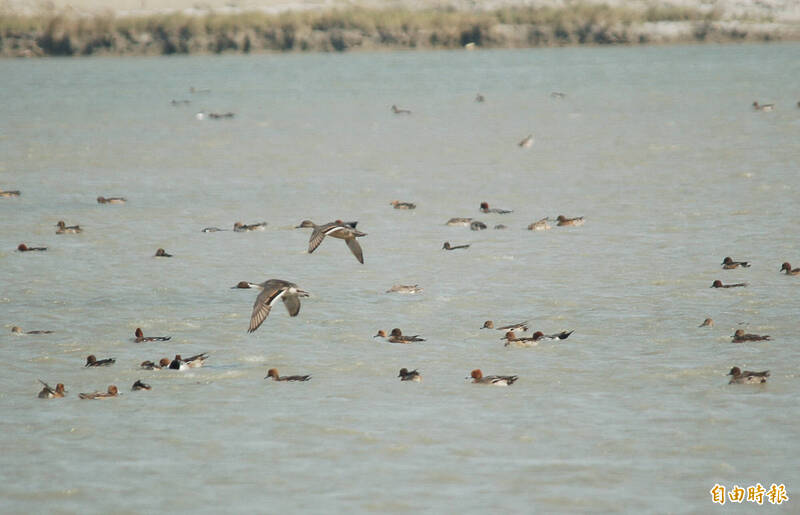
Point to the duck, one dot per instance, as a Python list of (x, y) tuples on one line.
[(140, 337), (557, 94), (522, 326), (708, 322), (244, 285), (240, 227), (403, 205), (24, 248), (405, 288), (139, 385), (478, 378), (563, 335), (18, 330), (762, 107), (477, 225), (447, 246), (718, 284), (212, 229), (217, 116), (92, 361), (149, 365), (479, 98), (730, 264), (564, 221), (273, 373), (162, 253), (459, 222), (341, 230), (500, 226), (111, 200), (396, 336), (271, 291), (67, 229), (9, 194), (789, 270), (747, 377), (112, 392), (527, 142), (195, 361), (486, 209), (405, 375), (540, 225), (740, 336), (50, 393), (305, 224), (525, 341), (400, 110)]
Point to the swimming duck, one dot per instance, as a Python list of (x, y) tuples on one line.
[(139, 385), (447, 246), (67, 229), (477, 226), (273, 373), (341, 230), (459, 222), (540, 225), (557, 94), (525, 341), (730, 264), (24, 248), (403, 205), (563, 335), (212, 229), (217, 116), (747, 377), (707, 323), (112, 392), (501, 226), (789, 270), (405, 288), (111, 200), (18, 330), (162, 253), (271, 291), (399, 110), (92, 361), (486, 209), (9, 194), (740, 336), (243, 285), (479, 98), (140, 337), (478, 377), (527, 142), (522, 326), (49, 393), (405, 375), (563, 220), (396, 336), (718, 284), (240, 227), (195, 361), (149, 365), (762, 107)]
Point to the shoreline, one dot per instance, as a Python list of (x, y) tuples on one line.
[(64, 33)]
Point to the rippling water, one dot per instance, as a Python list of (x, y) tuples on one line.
[(658, 147)]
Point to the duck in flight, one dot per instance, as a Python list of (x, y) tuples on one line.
[(271, 291)]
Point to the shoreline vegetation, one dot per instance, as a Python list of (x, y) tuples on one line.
[(65, 33)]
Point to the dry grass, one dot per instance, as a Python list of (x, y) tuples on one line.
[(63, 33)]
